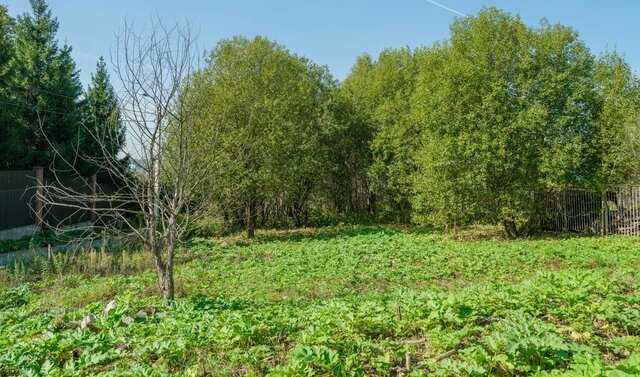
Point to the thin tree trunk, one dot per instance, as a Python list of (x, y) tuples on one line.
[(164, 269), (510, 228), (251, 220), (160, 268), (168, 291)]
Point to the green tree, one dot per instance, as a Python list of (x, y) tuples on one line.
[(6, 39), (266, 105), (6, 115), (563, 87), (618, 121), (379, 94), (505, 111), (103, 132), (46, 89), (346, 144)]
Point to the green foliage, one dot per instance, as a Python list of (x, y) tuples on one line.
[(379, 93), (6, 53), (14, 298), (43, 111), (209, 224), (619, 92), (103, 131), (45, 90), (468, 129), (260, 108), (324, 304), (505, 111), (6, 37), (346, 137)]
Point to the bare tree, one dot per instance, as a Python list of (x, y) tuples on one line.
[(153, 70), (160, 192)]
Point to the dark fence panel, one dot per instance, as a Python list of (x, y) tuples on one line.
[(16, 198), (18, 179), (15, 208), (69, 211)]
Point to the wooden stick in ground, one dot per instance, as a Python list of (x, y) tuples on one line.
[(407, 361), (398, 314), (446, 354), (412, 341)]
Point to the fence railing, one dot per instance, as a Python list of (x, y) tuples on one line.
[(608, 212)]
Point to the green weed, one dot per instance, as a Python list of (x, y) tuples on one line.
[(327, 303)]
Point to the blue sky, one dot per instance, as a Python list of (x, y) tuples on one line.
[(332, 32)]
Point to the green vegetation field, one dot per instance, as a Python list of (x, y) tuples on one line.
[(325, 303)]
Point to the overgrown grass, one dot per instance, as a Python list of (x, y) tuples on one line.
[(324, 302)]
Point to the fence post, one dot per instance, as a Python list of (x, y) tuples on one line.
[(565, 220), (93, 180), (603, 213), (39, 171)]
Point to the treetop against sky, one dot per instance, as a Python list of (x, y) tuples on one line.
[(331, 32)]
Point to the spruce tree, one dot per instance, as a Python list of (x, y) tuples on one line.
[(46, 89), (103, 131), (6, 51), (6, 39)]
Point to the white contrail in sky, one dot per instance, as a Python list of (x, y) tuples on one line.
[(447, 8)]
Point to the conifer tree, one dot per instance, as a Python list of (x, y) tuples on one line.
[(103, 131), (6, 51), (46, 90)]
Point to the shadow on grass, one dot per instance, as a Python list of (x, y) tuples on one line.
[(307, 234), (470, 233), (323, 234)]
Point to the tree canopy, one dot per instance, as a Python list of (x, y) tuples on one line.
[(470, 129), (618, 90), (505, 111), (264, 106), (380, 92)]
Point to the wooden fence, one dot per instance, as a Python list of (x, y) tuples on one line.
[(610, 212)]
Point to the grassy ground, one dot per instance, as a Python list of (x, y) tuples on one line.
[(326, 303)]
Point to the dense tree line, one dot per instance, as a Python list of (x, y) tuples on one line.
[(47, 119), (470, 129)]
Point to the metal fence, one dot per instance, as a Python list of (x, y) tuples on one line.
[(609, 212), (16, 198), (18, 202), (61, 214)]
